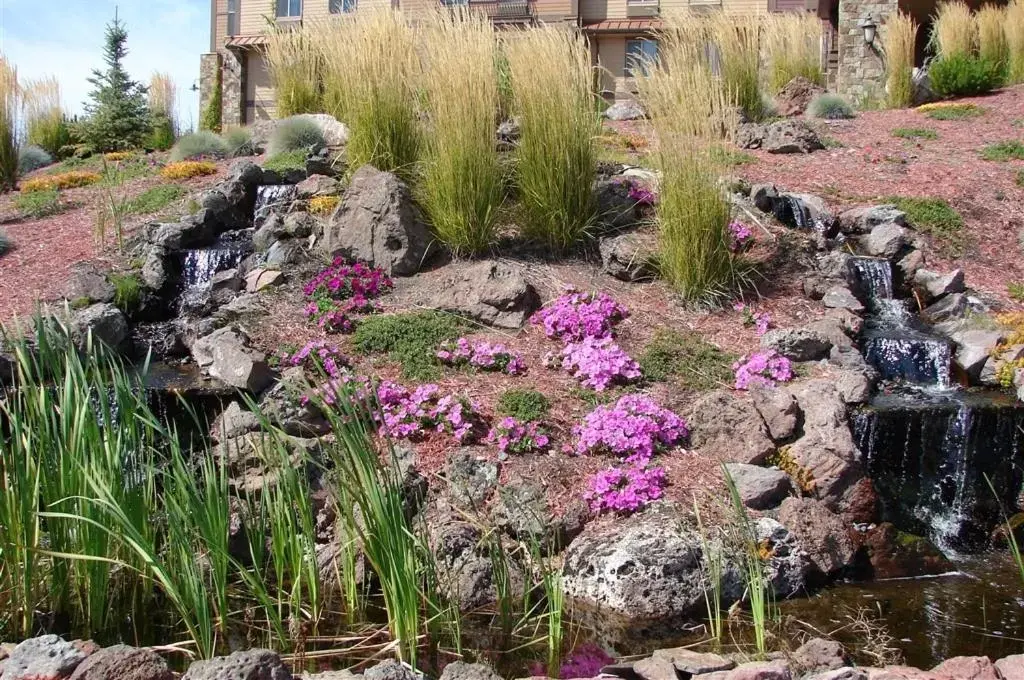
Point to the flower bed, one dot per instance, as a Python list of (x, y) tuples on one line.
[(341, 291), (762, 368), (597, 363), (575, 316), (634, 429)]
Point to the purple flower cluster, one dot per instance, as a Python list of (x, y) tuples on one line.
[(762, 368), (642, 195), (761, 321), (482, 355), (741, 237), (341, 291), (357, 387), (596, 362), (316, 356), (625, 489), (634, 429), (514, 436), (575, 316), (411, 415), (585, 661)]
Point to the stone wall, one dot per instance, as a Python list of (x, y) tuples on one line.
[(209, 64), (861, 66), (234, 88)]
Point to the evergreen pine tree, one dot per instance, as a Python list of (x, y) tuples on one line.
[(118, 114)]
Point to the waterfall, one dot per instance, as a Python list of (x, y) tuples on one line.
[(792, 212), (872, 277), (270, 197), (902, 354), (198, 267)]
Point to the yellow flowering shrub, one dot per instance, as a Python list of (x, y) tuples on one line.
[(63, 180), (188, 169), (323, 205), (115, 156)]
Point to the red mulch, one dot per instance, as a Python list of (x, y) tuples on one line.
[(39, 264)]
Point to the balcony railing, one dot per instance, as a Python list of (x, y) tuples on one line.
[(642, 8), (504, 10)]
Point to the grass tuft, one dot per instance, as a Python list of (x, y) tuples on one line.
[(295, 134), (45, 123), (992, 42), (696, 364), (155, 199), (32, 158), (289, 160), (10, 107), (830, 107), (127, 290), (238, 142), (198, 145), (410, 339), (38, 204), (1011, 150), (947, 111), (915, 133)]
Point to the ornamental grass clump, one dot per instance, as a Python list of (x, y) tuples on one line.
[(32, 158), (555, 161), (791, 47), (294, 66), (10, 108), (899, 39), (992, 44), (1013, 27), (45, 124), (462, 186), (341, 291), (298, 133), (238, 142), (163, 96), (197, 145), (737, 40), (371, 80), (480, 354), (954, 31), (830, 107)]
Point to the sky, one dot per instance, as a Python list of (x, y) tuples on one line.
[(64, 38)]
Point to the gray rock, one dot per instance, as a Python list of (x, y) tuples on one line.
[(465, 566), (798, 344), (253, 664), (840, 674), (921, 83), (754, 670), (645, 566), (508, 134), (854, 386), (973, 348), (284, 253), (270, 230), (261, 278), (217, 213), (246, 173), (377, 223), (864, 219), (522, 511), (102, 322), (227, 280), (1012, 667), (255, 460), (48, 657), (317, 185), (932, 285), (693, 662), (820, 532), (390, 670), (908, 266), (834, 264), (625, 110), (785, 136), (840, 297), (729, 428), (154, 268), (233, 421), (87, 282), (492, 292), (655, 668), (615, 208), (123, 663), (788, 565), (1009, 355), (948, 307), (283, 406), (837, 328), (331, 675), (885, 240), (818, 654), (460, 670), (629, 257), (299, 225), (760, 488), (763, 196), (779, 410), (245, 304), (471, 479), (226, 354)]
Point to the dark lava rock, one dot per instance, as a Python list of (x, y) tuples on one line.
[(122, 662), (253, 664)]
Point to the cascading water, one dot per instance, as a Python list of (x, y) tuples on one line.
[(872, 277), (271, 197), (198, 268)]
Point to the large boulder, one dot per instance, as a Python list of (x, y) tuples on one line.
[(791, 136), (227, 354), (884, 240), (625, 110), (793, 98), (253, 664), (123, 663), (629, 257), (616, 209), (377, 223), (818, 655), (471, 478), (922, 90), (820, 532), (87, 283), (103, 322), (255, 460), (523, 512), (974, 349), (798, 344), (754, 670), (729, 428), (862, 219), (465, 565), (493, 292), (760, 488), (968, 668), (48, 657), (390, 669)]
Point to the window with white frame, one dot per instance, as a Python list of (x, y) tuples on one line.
[(640, 52), (342, 6), (289, 9)]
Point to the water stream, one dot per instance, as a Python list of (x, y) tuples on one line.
[(199, 266)]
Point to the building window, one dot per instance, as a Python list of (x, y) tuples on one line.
[(289, 9), (342, 6), (639, 53), (232, 17), (454, 3)]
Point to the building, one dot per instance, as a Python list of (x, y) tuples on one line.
[(619, 32)]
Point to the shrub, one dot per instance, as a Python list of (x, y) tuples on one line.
[(32, 158), (697, 364), (462, 187), (297, 133), (204, 144), (118, 156), (5, 243), (290, 160), (935, 217), (830, 107), (410, 339), (127, 290), (370, 80), (238, 142), (38, 204), (155, 199), (210, 119), (949, 111), (1019, 178), (62, 180), (45, 124), (293, 65), (188, 169), (954, 32), (1004, 151), (523, 405), (963, 75), (118, 114), (899, 40), (915, 133), (323, 205), (555, 160), (792, 47), (10, 105), (1014, 30)]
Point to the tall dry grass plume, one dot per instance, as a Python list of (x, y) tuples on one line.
[(163, 96), (371, 73), (10, 106), (737, 40), (1013, 28), (898, 40), (954, 31), (991, 38), (552, 86), (791, 47), (692, 115), (294, 67), (45, 125), (461, 187)]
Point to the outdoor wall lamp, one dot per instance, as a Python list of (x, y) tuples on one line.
[(869, 27)]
